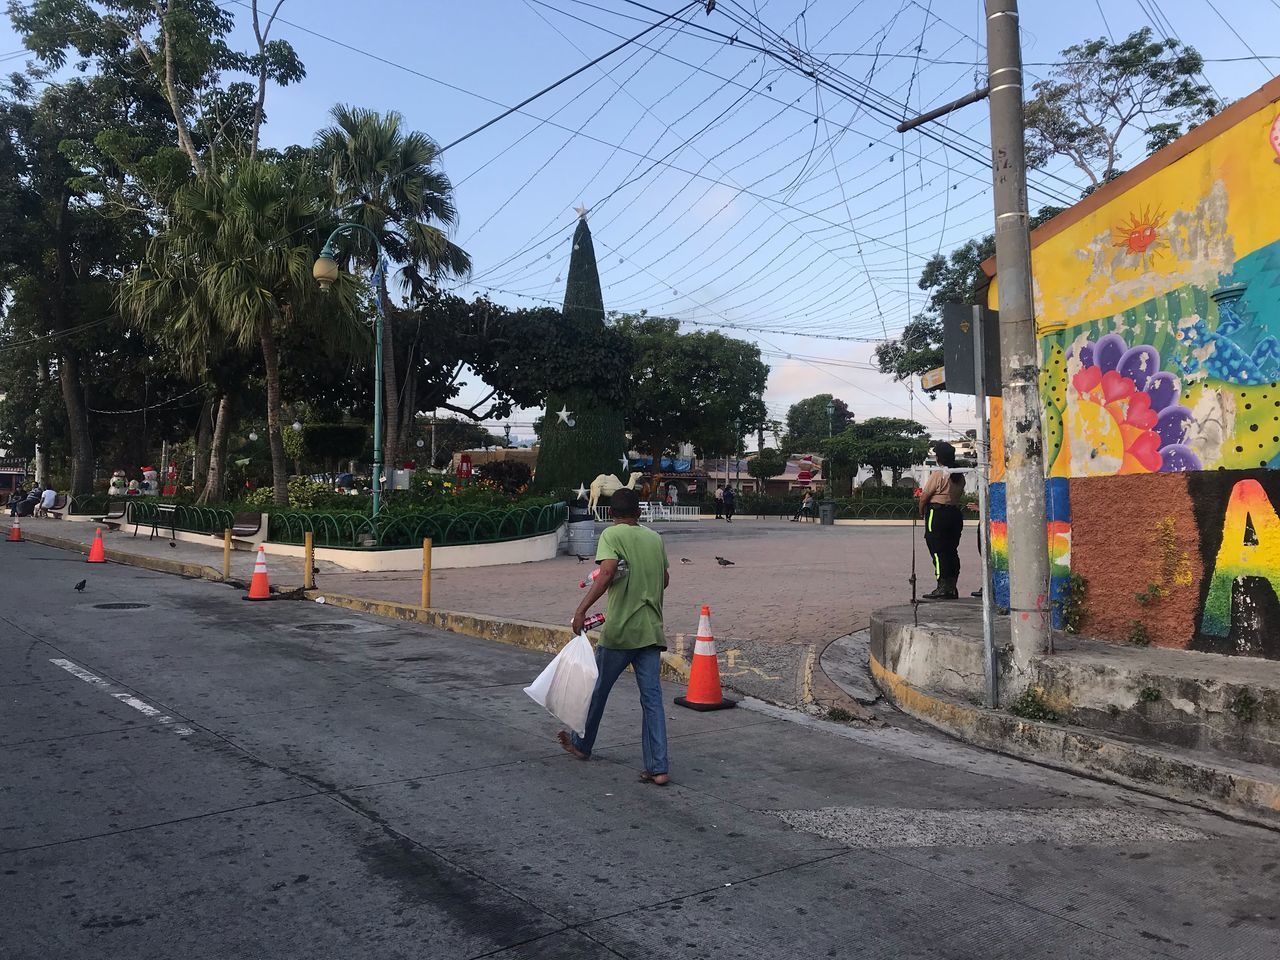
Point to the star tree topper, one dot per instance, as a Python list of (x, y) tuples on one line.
[(581, 491), (563, 414), (582, 210)]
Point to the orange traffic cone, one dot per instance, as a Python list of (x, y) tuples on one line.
[(96, 552), (704, 674), (259, 586), (15, 531)]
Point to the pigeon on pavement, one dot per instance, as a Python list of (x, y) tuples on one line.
[(723, 562), (685, 560), (581, 558), (80, 586)]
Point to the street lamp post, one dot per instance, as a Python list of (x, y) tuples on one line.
[(831, 412), (325, 272)]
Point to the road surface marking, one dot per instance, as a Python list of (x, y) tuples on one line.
[(126, 698)]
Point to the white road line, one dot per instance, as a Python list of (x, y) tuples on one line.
[(127, 698)]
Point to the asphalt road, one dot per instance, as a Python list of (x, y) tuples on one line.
[(202, 777)]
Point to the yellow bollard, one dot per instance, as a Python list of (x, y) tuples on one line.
[(308, 559), (226, 553), (426, 573)]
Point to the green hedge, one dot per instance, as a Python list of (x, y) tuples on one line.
[(390, 531)]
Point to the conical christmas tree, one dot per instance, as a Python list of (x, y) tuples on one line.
[(588, 439)]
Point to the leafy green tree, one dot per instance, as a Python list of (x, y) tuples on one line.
[(1103, 90), (766, 464), (239, 247), (689, 388), (808, 425), (881, 443), (955, 278), (386, 179)]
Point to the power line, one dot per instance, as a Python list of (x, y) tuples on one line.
[(567, 77)]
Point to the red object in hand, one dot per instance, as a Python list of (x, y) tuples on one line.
[(583, 583), (919, 490), (592, 622)]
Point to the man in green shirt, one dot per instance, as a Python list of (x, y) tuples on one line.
[(633, 569)]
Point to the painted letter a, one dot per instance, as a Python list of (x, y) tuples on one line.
[(1240, 555)]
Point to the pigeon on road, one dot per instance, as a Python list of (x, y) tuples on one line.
[(723, 562), (685, 560), (80, 586), (581, 558)]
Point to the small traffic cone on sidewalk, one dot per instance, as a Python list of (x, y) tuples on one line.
[(15, 531), (704, 672), (97, 554), (259, 586)]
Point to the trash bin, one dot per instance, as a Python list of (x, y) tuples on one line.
[(582, 533), (827, 513)]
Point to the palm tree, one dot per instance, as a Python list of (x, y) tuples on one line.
[(232, 267), (386, 179)]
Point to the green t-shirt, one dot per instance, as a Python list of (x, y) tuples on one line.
[(633, 614)]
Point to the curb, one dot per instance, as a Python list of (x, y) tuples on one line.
[(195, 571), (1226, 791), (543, 637)]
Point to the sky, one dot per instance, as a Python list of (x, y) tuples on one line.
[(724, 188)]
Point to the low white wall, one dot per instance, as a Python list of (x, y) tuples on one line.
[(543, 547)]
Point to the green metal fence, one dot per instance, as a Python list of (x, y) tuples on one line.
[(353, 531), (187, 517)]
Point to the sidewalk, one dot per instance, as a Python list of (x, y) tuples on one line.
[(1193, 726)]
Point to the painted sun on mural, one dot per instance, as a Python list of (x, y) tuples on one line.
[(1141, 235)]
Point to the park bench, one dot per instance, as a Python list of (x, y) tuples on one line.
[(55, 511), (115, 515), (247, 528)]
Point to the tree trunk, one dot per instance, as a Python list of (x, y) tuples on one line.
[(204, 440), (69, 363), (279, 461), (217, 451), (391, 396)]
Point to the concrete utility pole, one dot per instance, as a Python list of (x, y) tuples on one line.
[(1024, 450)]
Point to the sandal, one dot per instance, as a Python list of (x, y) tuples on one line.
[(569, 748), (658, 779)]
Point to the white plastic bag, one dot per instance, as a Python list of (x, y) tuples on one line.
[(564, 688)]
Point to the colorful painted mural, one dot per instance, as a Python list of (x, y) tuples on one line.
[(1158, 313), (1058, 531)]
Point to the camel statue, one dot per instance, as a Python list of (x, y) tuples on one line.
[(606, 485)]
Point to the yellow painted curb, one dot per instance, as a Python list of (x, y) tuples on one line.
[(545, 637), (1080, 752)]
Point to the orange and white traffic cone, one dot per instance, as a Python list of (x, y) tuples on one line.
[(15, 531), (96, 552), (259, 586), (704, 673)]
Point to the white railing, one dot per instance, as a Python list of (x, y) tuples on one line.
[(654, 512)]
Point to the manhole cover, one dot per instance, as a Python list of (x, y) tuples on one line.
[(121, 606), (324, 627)]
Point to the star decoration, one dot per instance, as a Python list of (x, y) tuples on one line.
[(563, 414), (581, 492), (625, 463), (582, 210)]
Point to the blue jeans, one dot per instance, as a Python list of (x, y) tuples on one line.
[(647, 663)]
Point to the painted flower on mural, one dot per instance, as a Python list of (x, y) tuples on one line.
[(1123, 416), (1141, 235)]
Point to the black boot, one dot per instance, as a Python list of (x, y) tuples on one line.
[(937, 593)]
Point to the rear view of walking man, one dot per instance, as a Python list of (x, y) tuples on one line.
[(632, 634)]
